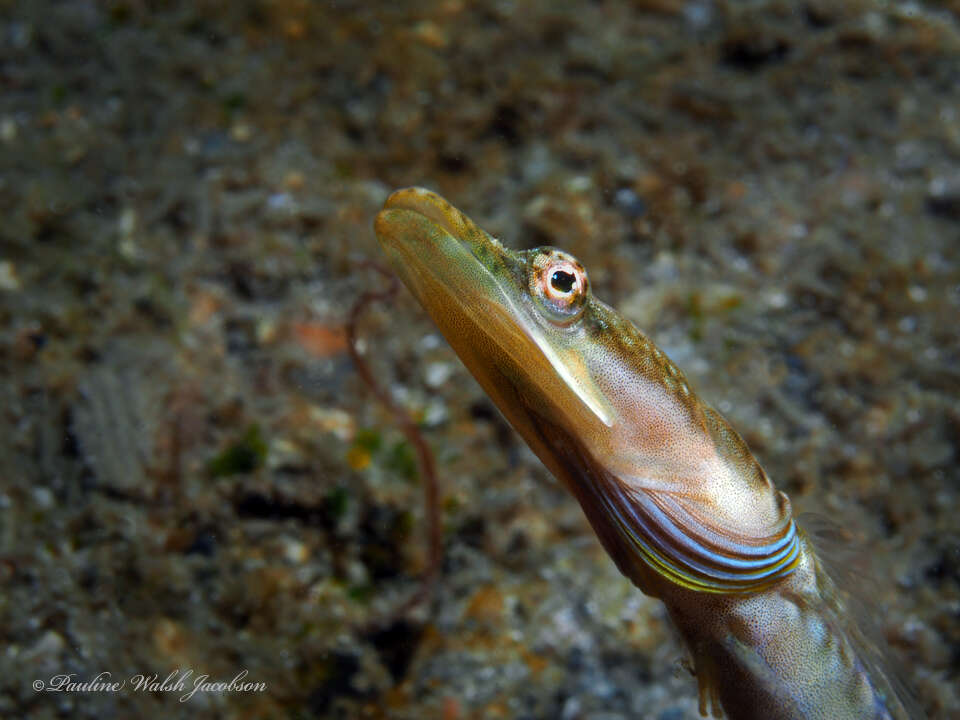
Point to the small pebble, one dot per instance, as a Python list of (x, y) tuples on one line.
[(777, 299), (334, 420), (436, 413), (43, 497), (294, 180), (127, 222), (907, 324), (578, 184), (437, 373), (50, 645), (8, 129), (280, 201), (295, 551), (241, 132), (431, 341), (431, 34), (8, 276)]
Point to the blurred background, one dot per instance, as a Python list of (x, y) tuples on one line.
[(193, 475)]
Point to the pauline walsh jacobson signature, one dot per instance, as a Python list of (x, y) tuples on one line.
[(184, 682)]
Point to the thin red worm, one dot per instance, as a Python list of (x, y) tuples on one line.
[(431, 490)]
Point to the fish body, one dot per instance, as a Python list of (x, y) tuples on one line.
[(672, 491)]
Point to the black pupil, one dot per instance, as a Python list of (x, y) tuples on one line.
[(562, 281)]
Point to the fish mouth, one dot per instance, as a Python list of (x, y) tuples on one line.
[(462, 278), (425, 203), (445, 259)]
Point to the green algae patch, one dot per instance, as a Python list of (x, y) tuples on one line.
[(369, 440), (402, 460), (399, 457), (243, 456)]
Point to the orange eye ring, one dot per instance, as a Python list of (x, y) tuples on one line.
[(560, 284)]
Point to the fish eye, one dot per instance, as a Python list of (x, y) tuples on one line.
[(559, 283), (562, 281)]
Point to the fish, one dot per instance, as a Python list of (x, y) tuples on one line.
[(673, 493)]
